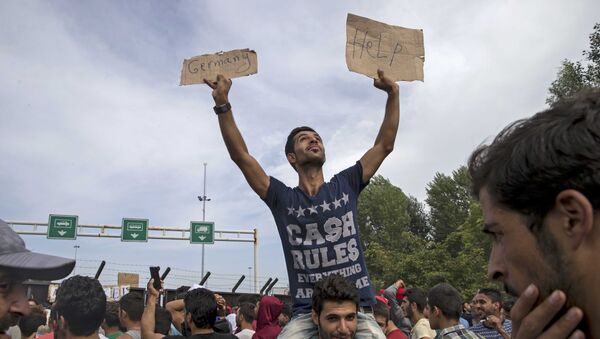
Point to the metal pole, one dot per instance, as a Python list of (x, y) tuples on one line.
[(203, 215), (249, 279), (255, 259)]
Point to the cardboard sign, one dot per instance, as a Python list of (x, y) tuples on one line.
[(232, 64), (370, 45)]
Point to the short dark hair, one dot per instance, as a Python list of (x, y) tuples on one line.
[(417, 296), (382, 310), (289, 144), (492, 293), (532, 160), (447, 299), (162, 320), (201, 304), (333, 288), (111, 316), (29, 324), (287, 310), (82, 303), (248, 311), (133, 304)]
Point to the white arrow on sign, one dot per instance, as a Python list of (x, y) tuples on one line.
[(62, 233), (202, 238), (134, 235)]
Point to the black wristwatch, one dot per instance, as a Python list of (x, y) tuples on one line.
[(220, 109)]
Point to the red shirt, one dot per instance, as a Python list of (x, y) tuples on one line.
[(396, 334)]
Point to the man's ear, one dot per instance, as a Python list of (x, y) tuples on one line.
[(315, 317), (291, 157), (576, 215)]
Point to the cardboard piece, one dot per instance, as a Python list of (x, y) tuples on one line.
[(232, 64), (129, 279), (370, 45)]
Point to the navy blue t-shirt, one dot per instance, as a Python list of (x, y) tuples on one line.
[(320, 235)]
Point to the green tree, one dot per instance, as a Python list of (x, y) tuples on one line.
[(449, 199), (576, 76)]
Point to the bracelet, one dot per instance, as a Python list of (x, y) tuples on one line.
[(220, 109)]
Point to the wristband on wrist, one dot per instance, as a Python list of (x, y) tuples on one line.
[(220, 109)]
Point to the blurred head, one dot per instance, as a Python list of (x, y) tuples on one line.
[(162, 321), (246, 313), (304, 146), (285, 315), (80, 305), (488, 301), (381, 312), (29, 324), (414, 303), (335, 307), (111, 316), (445, 305), (131, 308), (200, 308), (539, 187)]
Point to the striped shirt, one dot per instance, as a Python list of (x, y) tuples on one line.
[(456, 332), (491, 333)]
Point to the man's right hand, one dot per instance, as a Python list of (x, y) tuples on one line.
[(151, 290), (220, 89), (530, 321)]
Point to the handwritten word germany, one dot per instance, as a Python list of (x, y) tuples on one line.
[(239, 64)]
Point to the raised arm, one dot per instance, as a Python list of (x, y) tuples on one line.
[(236, 146), (384, 143), (148, 317)]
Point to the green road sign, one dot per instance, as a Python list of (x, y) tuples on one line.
[(202, 232), (134, 229), (62, 226)]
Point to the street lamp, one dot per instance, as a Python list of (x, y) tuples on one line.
[(76, 247), (203, 198), (250, 278)]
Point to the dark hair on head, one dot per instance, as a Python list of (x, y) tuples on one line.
[(248, 311), (382, 310), (286, 310), (111, 316), (532, 160), (201, 304), (492, 293), (507, 305), (28, 324), (82, 303), (133, 304), (162, 320), (417, 296), (289, 144), (447, 299), (247, 298), (333, 288)]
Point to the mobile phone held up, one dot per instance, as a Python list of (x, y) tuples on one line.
[(155, 276)]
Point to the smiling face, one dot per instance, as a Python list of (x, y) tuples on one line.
[(336, 320), (517, 259), (308, 149)]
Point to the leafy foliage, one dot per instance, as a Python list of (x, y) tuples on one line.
[(576, 76), (402, 239)]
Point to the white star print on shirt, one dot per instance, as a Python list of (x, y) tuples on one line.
[(345, 198), (300, 211), (313, 210), (290, 210), (337, 203), (325, 206)]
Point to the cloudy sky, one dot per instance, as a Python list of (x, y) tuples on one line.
[(93, 121)]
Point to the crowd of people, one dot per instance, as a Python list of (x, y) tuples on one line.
[(538, 184)]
